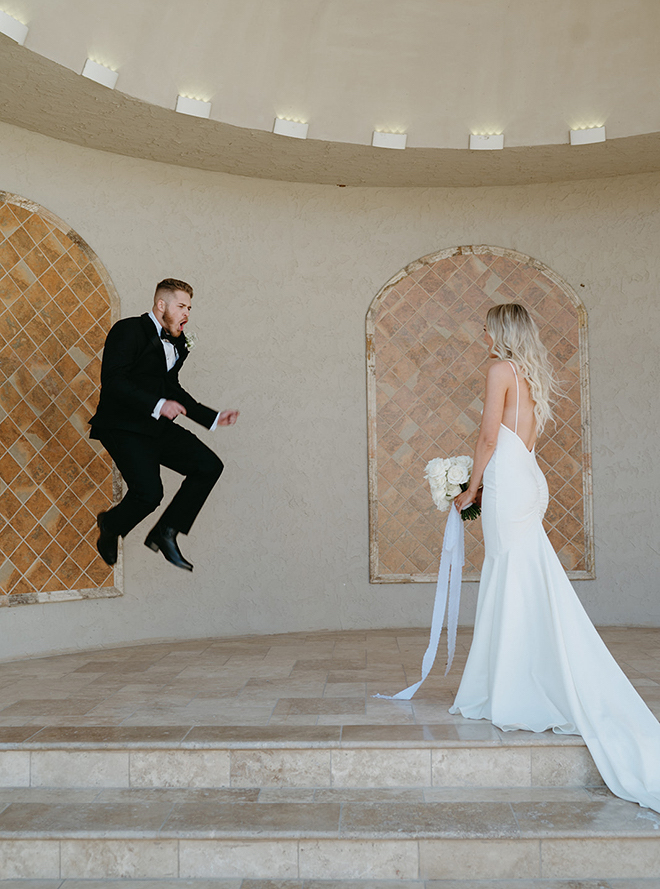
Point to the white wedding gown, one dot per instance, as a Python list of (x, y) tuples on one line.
[(536, 660)]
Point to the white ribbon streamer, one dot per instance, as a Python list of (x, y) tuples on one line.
[(450, 575)]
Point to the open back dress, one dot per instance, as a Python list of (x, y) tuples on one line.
[(536, 661)]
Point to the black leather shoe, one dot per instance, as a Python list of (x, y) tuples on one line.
[(164, 539), (107, 542)]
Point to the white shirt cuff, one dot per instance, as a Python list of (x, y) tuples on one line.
[(215, 423), (156, 411)]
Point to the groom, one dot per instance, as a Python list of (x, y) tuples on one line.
[(140, 399)]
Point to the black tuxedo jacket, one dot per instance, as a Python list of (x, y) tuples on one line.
[(134, 377)]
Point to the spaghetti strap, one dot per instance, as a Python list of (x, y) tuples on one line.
[(515, 373)]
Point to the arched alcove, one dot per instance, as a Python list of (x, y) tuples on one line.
[(58, 304), (426, 367)]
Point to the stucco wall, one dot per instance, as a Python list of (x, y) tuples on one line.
[(284, 274)]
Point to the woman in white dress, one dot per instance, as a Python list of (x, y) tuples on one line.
[(536, 660)]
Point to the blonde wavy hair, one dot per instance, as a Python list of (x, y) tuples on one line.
[(516, 338)]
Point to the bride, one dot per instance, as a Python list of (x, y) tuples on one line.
[(536, 660)]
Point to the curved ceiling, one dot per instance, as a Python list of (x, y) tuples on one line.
[(437, 70)]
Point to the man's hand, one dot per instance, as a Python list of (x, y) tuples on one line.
[(172, 409), (227, 418)]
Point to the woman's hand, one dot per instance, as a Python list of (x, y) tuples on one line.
[(465, 499)]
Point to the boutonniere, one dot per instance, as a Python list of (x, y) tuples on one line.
[(190, 340)]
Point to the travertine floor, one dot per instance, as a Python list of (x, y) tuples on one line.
[(293, 679)]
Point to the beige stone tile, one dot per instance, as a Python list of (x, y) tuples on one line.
[(479, 859), (74, 721), (79, 768), (180, 768), (525, 884), (29, 859), (359, 884), (611, 858), (103, 735), (280, 768), (47, 708), (369, 795), (14, 768), (179, 795), (271, 884), (288, 795), (380, 707), (521, 738), (329, 663), (263, 820), (203, 712), (595, 818), (366, 719), (266, 736), (431, 712), (345, 690), (565, 795), (397, 735), (17, 734), (599, 792), (118, 859), (251, 696), (147, 884), (359, 859), (563, 766), (243, 858), (297, 720), (477, 732), (50, 795), (488, 766), (381, 768), (319, 706), (30, 884), (393, 678), (103, 819), (418, 820)]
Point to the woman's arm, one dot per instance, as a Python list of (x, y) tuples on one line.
[(498, 380)]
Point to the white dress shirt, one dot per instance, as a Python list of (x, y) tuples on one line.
[(171, 356)]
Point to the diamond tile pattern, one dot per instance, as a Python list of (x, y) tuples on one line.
[(56, 312), (427, 375)]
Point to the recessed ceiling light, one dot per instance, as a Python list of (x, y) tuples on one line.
[(100, 73), (290, 128), (13, 28), (388, 140), (195, 107), (479, 142), (587, 136)]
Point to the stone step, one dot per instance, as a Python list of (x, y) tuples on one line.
[(239, 883), (359, 756), (163, 835)]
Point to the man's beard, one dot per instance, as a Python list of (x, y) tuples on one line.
[(170, 324)]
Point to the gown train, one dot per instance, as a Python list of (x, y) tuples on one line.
[(536, 661)]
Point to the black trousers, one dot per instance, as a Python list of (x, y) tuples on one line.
[(139, 458)]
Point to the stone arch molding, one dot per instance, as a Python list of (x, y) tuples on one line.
[(426, 372), (58, 303)]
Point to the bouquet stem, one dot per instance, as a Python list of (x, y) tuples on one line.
[(473, 511)]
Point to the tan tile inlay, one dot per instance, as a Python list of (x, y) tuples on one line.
[(427, 364), (56, 310)]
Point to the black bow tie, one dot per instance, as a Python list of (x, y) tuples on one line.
[(164, 335)]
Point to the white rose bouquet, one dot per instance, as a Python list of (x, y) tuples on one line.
[(447, 477)]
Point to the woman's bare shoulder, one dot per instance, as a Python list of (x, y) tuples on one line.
[(499, 371)]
